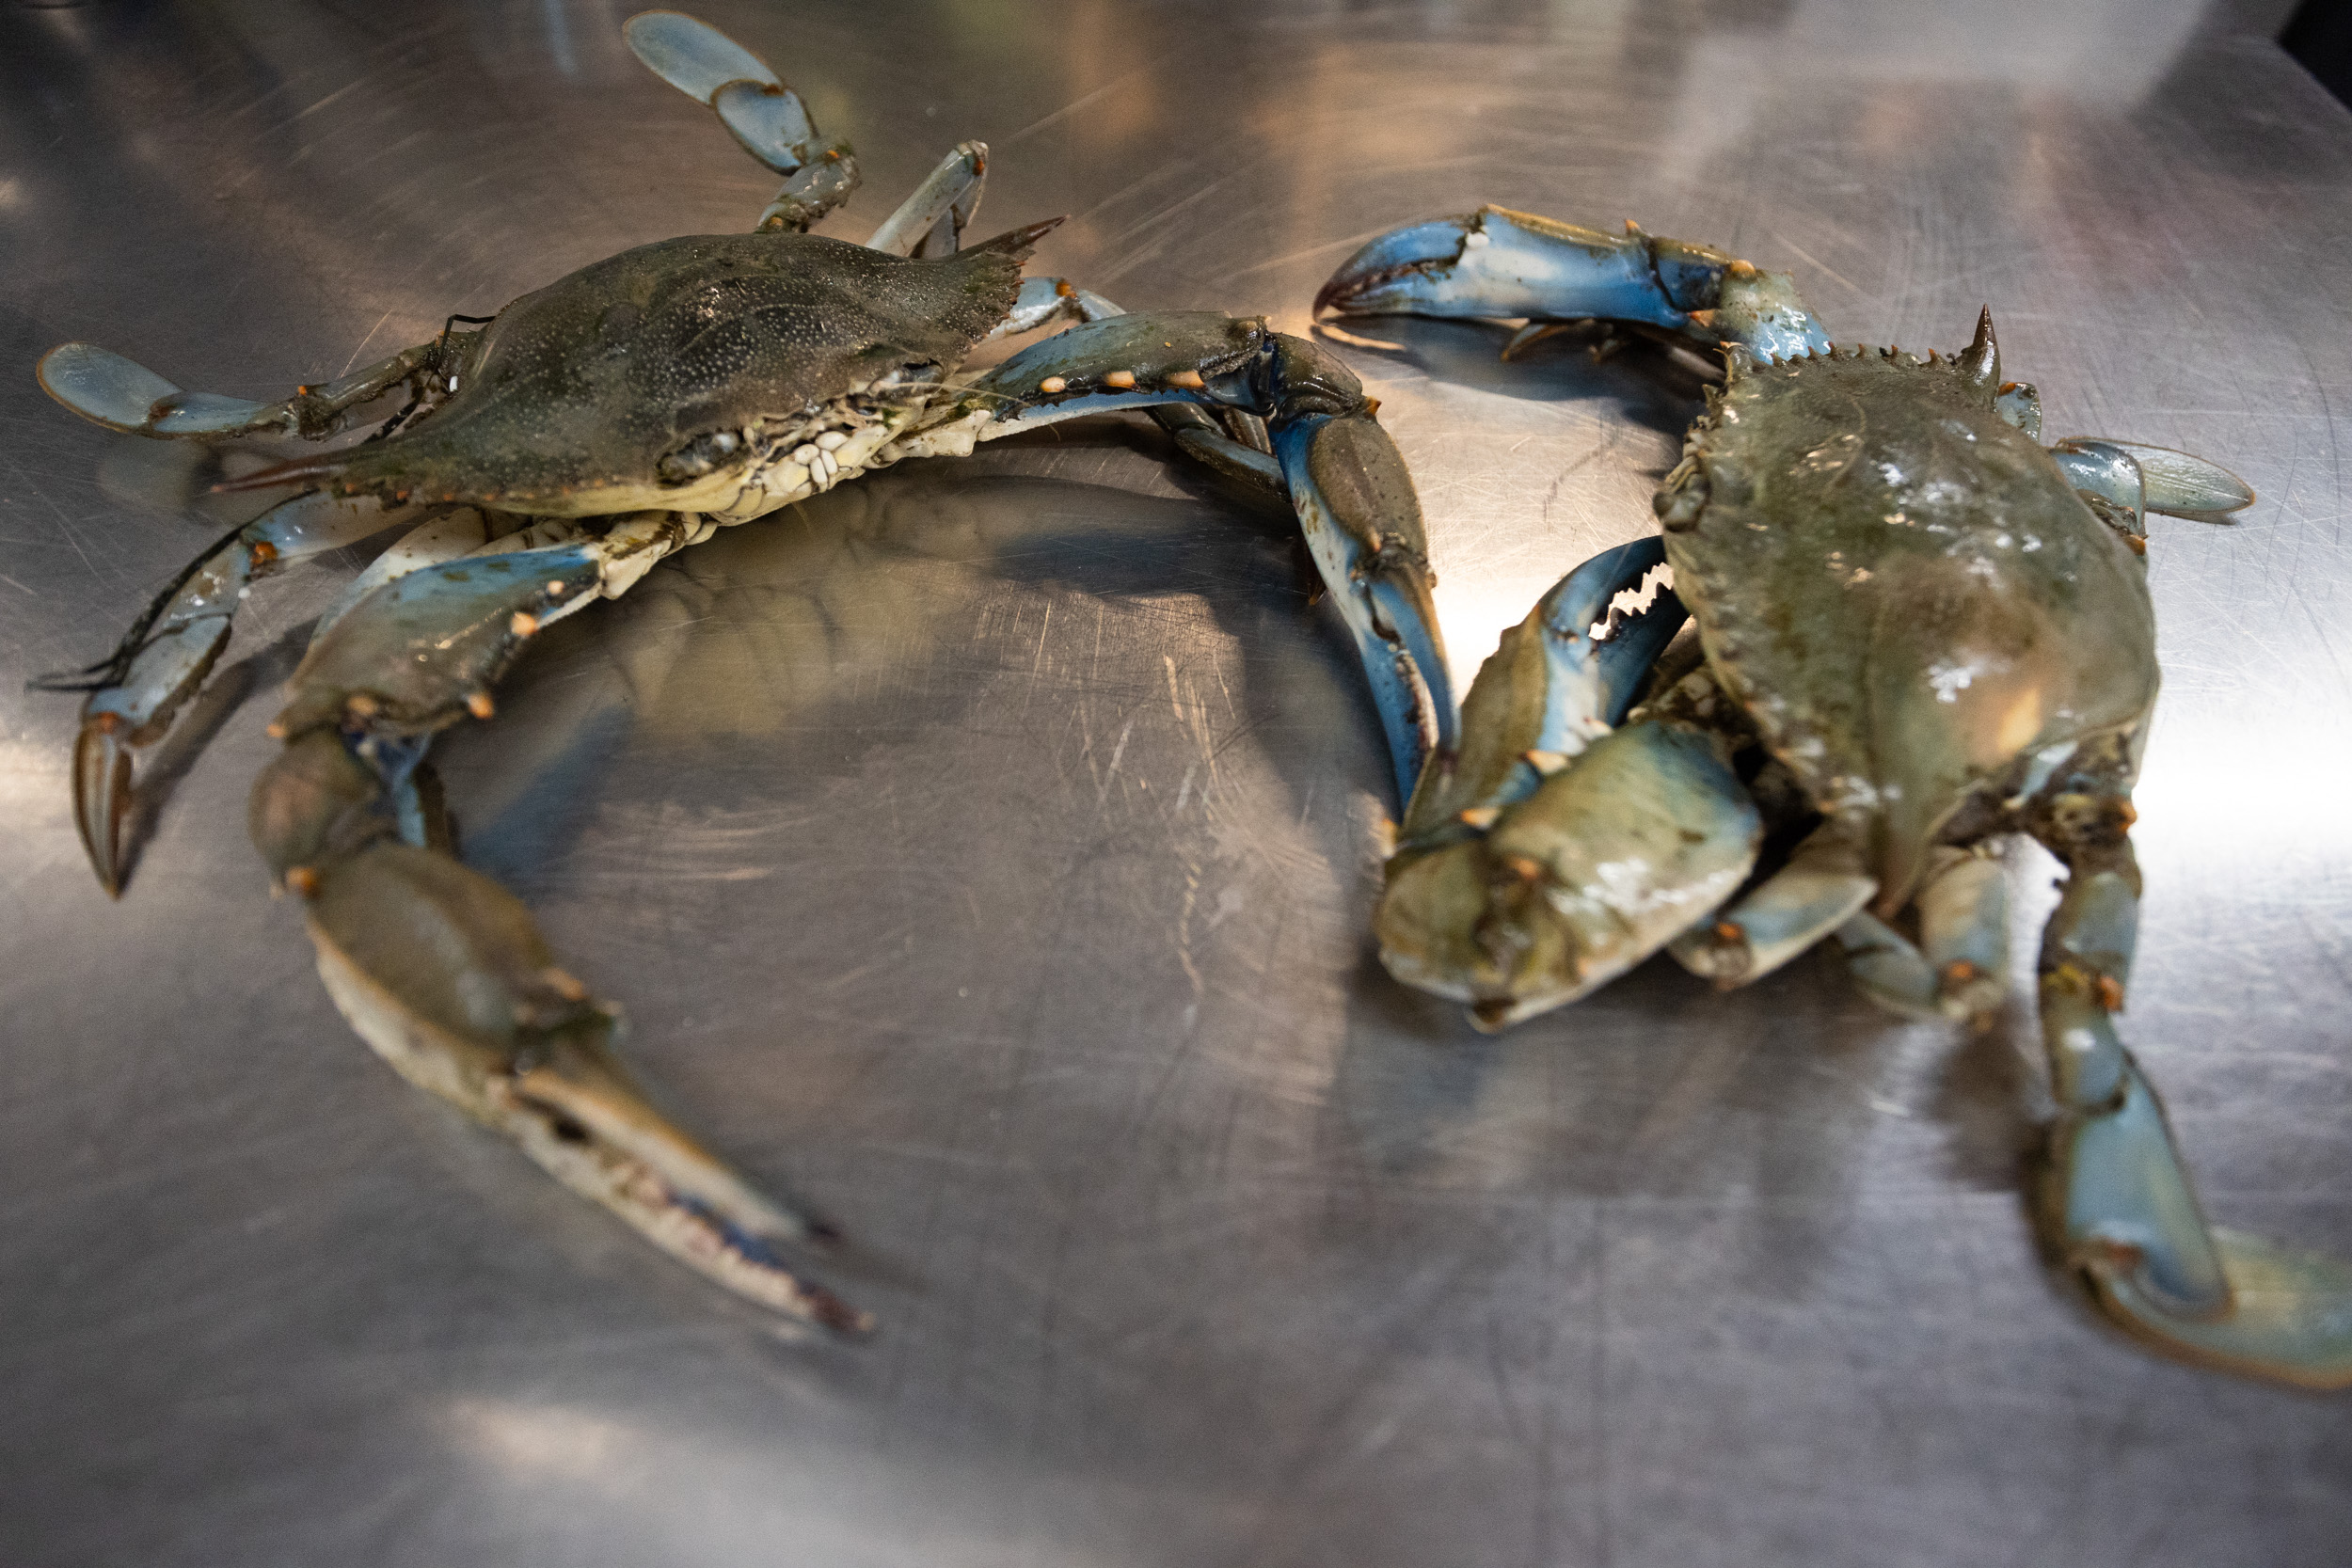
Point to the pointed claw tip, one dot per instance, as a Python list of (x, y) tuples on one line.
[(102, 796)]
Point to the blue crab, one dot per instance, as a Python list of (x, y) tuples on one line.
[(1919, 628), (546, 460)]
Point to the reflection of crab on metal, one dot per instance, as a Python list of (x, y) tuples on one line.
[(547, 461), (1918, 629)]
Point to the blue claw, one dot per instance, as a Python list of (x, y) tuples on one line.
[(1498, 263), (1593, 679), (1552, 688)]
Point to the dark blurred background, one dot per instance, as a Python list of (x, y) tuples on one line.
[(2319, 35)]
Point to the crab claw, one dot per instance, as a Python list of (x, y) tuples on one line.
[(442, 971), (1496, 263), (1541, 901), (1552, 688), (102, 796), (1399, 272)]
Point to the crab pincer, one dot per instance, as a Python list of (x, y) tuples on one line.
[(1918, 628), (442, 971)]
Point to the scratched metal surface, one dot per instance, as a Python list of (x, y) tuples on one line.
[(985, 850)]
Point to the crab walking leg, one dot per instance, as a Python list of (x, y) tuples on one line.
[(122, 394), (2148, 479), (1820, 888), (931, 223), (136, 692), (1353, 497), (1043, 301), (441, 971), (1496, 263), (2115, 1200), (766, 118), (1959, 968)]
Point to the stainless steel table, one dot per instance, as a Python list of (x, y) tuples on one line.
[(985, 850)]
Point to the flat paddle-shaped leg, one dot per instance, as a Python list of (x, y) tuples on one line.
[(122, 394), (2115, 1201), (768, 119)]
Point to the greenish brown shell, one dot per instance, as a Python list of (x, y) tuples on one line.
[(1902, 588), (574, 393)]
